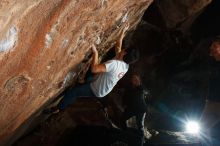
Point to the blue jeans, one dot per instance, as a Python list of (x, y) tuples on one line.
[(71, 95)]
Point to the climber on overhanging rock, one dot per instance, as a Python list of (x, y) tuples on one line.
[(107, 74)]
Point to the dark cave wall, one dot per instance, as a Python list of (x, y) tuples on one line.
[(178, 85), (175, 12)]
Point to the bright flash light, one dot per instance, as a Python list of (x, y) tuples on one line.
[(192, 127)]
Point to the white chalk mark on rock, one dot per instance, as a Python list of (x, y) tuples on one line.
[(125, 18), (48, 67), (65, 43), (10, 40), (48, 40), (98, 41), (69, 78), (49, 36), (104, 2)]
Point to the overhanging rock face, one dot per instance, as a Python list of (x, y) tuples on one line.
[(41, 41)]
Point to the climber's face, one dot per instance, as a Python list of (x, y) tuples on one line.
[(215, 50), (121, 54), (135, 80)]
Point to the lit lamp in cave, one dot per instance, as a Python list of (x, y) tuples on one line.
[(192, 127)]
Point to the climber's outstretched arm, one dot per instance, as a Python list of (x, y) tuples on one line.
[(120, 39)]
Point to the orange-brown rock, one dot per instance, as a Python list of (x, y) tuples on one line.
[(42, 45)]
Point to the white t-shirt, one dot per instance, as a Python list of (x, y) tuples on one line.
[(104, 82)]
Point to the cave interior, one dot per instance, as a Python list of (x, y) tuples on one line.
[(177, 89)]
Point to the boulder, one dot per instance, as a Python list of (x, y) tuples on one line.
[(45, 45)]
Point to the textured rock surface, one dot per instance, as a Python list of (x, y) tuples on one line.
[(176, 11), (43, 42), (51, 131)]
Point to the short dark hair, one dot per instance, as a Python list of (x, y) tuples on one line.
[(131, 56)]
